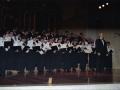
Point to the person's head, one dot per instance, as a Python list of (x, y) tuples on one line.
[(92, 43), (101, 36), (51, 39), (26, 32), (32, 30), (2, 35), (60, 32), (41, 39), (108, 43), (44, 37), (47, 33), (72, 34), (59, 40), (18, 34), (34, 37), (81, 34), (74, 42), (67, 41), (66, 32), (11, 33), (15, 29), (23, 39), (43, 31), (52, 32)]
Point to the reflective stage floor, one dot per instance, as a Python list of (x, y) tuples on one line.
[(60, 78)]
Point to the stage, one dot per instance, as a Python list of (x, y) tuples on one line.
[(62, 81)]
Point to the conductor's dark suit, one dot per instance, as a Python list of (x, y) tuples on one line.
[(102, 49)]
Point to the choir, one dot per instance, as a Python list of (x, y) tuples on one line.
[(20, 50)]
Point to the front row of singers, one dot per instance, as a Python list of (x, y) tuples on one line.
[(39, 53)]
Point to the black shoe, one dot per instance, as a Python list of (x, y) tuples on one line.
[(68, 70), (1, 74), (93, 70), (20, 72), (64, 70), (82, 70), (49, 71), (41, 71), (58, 70), (74, 70), (9, 73), (31, 71), (101, 72)]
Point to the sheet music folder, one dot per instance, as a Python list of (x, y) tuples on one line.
[(35, 48), (87, 51), (7, 43), (16, 47)]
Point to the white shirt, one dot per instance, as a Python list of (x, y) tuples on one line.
[(30, 43), (110, 48), (1, 42)]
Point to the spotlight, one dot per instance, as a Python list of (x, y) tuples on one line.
[(107, 3), (99, 7), (103, 5)]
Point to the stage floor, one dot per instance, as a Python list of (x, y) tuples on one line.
[(61, 78)]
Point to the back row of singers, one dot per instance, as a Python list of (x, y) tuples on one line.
[(17, 54)]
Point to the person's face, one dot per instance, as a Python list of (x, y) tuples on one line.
[(26, 32), (108, 44), (41, 40), (101, 36), (60, 40), (34, 38), (74, 42), (11, 34), (92, 44), (67, 41), (23, 40), (44, 38), (18, 35), (4, 36)]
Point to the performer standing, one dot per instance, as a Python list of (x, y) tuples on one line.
[(101, 52), (108, 63)]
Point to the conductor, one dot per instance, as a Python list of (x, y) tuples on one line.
[(101, 52)]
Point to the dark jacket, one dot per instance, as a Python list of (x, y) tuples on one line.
[(100, 48)]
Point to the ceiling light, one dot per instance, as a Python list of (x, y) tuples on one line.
[(107, 3), (103, 5), (99, 7)]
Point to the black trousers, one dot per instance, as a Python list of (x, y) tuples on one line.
[(58, 59), (66, 60), (92, 61), (9, 59), (49, 61), (108, 61), (100, 61), (82, 59), (30, 60), (2, 60), (40, 62), (20, 58), (73, 59)]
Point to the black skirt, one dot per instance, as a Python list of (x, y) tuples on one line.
[(92, 61), (9, 58), (108, 61), (40, 61), (66, 60), (82, 59), (49, 61), (20, 58), (57, 59), (2, 60), (30, 60), (73, 59)]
